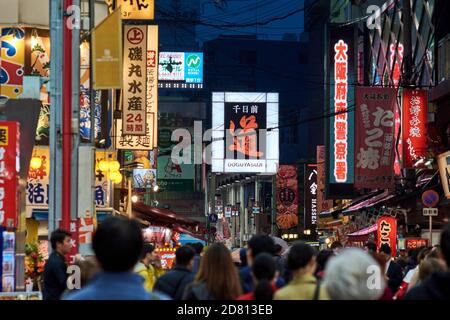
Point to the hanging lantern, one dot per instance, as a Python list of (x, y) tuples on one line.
[(114, 165), (116, 177), (103, 165), (36, 162)]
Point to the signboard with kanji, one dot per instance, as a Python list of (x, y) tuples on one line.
[(374, 137), (245, 132), (38, 182), (134, 9), (310, 190), (134, 80), (414, 121), (9, 169), (387, 233)]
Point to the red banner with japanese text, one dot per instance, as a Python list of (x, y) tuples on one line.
[(414, 121), (9, 168), (387, 233), (374, 137), (287, 197), (322, 203)]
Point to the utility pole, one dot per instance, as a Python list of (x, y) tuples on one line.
[(55, 197)]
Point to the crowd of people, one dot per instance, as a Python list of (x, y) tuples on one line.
[(124, 267)]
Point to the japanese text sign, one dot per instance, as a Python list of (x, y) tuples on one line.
[(287, 197), (414, 122), (134, 80), (322, 203), (9, 168), (444, 170), (38, 181), (135, 9), (374, 137), (387, 233), (310, 190)]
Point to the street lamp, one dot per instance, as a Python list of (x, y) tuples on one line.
[(134, 198)]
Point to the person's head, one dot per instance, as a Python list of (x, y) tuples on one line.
[(301, 259), (118, 244), (61, 241), (347, 276), (264, 272), (278, 250), (429, 266), (371, 246), (149, 253), (88, 268), (243, 257), (322, 259), (259, 244), (219, 274), (423, 252), (445, 244), (184, 256), (198, 248), (385, 250), (337, 247)]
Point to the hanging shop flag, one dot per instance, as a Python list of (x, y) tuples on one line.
[(340, 145), (322, 203), (38, 182), (414, 121), (310, 190), (9, 169), (107, 53), (12, 58), (245, 132), (287, 197), (102, 180), (152, 82), (374, 137), (134, 80), (134, 9), (387, 233), (444, 169)]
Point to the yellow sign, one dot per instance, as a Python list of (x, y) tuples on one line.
[(107, 53), (3, 136), (137, 9), (152, 80), (444, 169)]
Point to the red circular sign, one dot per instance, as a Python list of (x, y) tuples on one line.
[(135, 36), (430, 198)]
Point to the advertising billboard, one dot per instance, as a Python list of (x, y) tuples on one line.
[(374, 137), (245, 132), (180, 70), (340, 146), (310, 189)]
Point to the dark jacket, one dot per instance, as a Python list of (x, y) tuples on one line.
[(174, 282), (196, 266), (395, 275), (436, 287), (55, 277), (247, 284), (197, 291)]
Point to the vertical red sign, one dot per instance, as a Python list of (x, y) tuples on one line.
[(387, 233), (374, 137), (74, 238), (414, 121), (9, 168), (287, 197)]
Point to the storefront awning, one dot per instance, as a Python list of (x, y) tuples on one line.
[(363, 234), (382, 197)]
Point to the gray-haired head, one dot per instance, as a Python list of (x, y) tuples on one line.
[(354, 275)]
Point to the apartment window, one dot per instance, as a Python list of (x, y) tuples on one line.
[(247, 57)]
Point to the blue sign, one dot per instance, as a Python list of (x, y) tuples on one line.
[(193, 67), (213, 218)]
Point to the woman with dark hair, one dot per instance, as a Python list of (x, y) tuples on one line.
[(264, 272), (217, 278), (322, 259)]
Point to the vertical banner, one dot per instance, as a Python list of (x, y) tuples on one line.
[(12, 62), (322, 203), (74, 240), (414, 121), (9, 169), (38, 182), (444, 169), (398, 146), (134, 80), (287, 197), (387, 233), (340, 147), (152, 83), (374, 137), (310, 189), (102, 181)]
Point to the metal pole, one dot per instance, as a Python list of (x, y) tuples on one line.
[(91, 75), (55, 115), (431, 230), (67, 119)]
